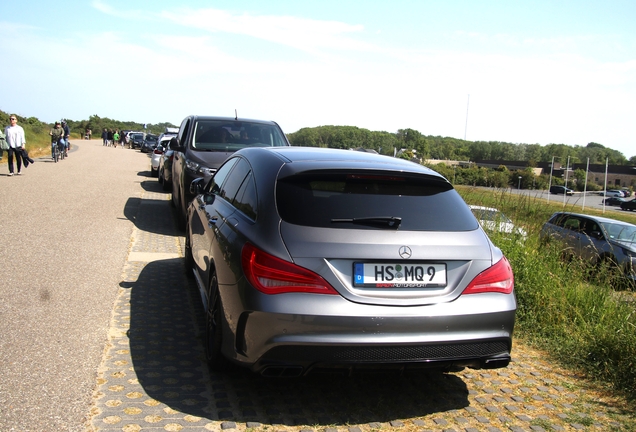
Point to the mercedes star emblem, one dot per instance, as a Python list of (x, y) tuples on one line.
[(405, 252)]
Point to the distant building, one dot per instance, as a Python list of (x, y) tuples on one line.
[(617, 175)]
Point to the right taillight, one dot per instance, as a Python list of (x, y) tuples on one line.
[(498, 278)]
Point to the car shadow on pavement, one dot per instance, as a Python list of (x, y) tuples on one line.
[(152, 222), (166, 324)]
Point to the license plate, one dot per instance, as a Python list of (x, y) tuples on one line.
[(402, 275)]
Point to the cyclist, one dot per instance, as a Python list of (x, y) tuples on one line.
[(57, 137), (67, 135)]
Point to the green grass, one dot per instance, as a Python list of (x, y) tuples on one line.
[(575, 313)]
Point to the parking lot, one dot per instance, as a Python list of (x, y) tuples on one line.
[(580, 200)]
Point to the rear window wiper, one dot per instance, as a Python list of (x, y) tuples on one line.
[(390, 221)]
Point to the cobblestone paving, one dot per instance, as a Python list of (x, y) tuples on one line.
[(153, 376)]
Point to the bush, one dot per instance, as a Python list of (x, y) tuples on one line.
[(563, 307)]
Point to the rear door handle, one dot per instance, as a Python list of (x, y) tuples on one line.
[(212, 221)]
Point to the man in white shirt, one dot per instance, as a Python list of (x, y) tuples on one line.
[(17, 142)]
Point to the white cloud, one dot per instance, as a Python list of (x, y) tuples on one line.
[(336, 78), (300, 33)]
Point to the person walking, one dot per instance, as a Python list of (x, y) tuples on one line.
[(17, 142), (105, 137), (109, 137), (115, 138)]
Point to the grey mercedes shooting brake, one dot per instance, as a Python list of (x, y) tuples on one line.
[(310, 259)]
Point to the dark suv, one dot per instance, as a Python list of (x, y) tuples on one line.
[(204, 143), (137, 139), (560, 190)]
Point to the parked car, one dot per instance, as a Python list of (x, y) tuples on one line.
[(149, 143), (311, 258), (629, 205), (155, 158), (164, 172), (136, 139), (595, 239), (168, 134), (611, 193), (492, 219), (560, 190), (614, 201), (204, 143)]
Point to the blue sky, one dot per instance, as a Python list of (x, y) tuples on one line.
[(516, 71)]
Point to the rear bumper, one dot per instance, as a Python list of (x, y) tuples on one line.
[(301, 360), (442, 336)]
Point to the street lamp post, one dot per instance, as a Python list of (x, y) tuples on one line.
[(519, 186), (567, 170), (550, 181)]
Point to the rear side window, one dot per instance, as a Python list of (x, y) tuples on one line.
[(329, 200), (558, 219), (235, 180), (214, 186)]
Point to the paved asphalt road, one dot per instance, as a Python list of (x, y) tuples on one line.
[(65, 238), (580, 203)]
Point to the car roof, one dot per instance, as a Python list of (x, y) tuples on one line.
[(299, 159), (233, 119), (595, 218)]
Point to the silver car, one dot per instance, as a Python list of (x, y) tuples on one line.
[(595, 239), (313, 258), (493, 220)]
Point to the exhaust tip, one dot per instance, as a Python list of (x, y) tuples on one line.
[(282, 371), (496, 363)]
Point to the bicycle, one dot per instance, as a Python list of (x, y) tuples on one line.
[(58, 151)]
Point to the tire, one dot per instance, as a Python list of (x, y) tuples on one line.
[(165, 184), (178, 204), (154, 172), (214, 329), (188, 260), (174, 197)]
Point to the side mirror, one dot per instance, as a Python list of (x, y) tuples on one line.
[(197, 187), (174, 144)]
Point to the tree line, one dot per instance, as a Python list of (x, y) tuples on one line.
[(97, 124), (405, 143), (437, 147)]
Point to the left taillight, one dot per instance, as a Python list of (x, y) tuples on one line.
[(498, 278), (272, 275)]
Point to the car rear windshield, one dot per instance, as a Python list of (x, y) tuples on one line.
[(234, 135), (372, 201)]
